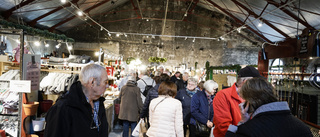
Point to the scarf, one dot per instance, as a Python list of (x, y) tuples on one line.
[(191, 93)]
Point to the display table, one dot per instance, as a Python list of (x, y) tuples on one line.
[(110, 113)]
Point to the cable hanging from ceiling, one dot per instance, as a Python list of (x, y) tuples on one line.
[(222, 37)]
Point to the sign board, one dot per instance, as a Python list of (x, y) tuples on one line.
[(304, 45), (20, 86)]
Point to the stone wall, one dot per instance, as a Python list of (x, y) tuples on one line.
[(184, 49)]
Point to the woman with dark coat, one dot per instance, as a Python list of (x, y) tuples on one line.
[(201, 107), (130, 105), (269, 118), (184, 96)]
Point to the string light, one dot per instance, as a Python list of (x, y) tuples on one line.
[(63, 1)]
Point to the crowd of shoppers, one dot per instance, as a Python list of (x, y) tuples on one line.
[(175, 107)]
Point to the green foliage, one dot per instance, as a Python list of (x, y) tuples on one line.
[(157, 59), (33, 31), (231, 67), (208, 70), (128, 61), (195, 65), (211, 68)]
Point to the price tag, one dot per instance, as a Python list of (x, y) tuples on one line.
[(20, 86)]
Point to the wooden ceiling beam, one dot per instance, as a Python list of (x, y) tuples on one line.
[(239, 21), (278, 5), (257, 16), (34, 22), (72, 17), (9, 12)]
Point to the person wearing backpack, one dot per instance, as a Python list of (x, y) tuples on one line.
[(145, 84)]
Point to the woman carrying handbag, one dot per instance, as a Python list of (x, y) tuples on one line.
[(202, 110)]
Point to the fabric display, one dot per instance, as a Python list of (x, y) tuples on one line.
[(71, 59), (9, 101), (10, 125), (10, 75), (56, 83)]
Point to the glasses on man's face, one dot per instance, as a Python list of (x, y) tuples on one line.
[(189, 84), (93, 123)]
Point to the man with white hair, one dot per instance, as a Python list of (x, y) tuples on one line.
[(145, 83), (81, 112), (124, 80)]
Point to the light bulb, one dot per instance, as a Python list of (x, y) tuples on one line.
[(47, 45), (96, 53), (260, 25), (63, 1), (117, 34), (69, 47), (80, 13), (37, 43)]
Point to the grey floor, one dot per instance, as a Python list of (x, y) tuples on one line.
[(115, 134)]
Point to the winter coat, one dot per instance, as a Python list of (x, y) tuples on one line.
[(200, 108), (71, 116), (181, 84), (143, 85), (153, 93), (272, 120), (226, 110), (185, 99), (165, 118), (130, 102)]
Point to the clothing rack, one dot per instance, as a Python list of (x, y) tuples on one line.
[(20, 33)]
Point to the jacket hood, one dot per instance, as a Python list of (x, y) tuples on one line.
[(274, 106)]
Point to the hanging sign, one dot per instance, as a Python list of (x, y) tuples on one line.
[(304, 45), (20, 86)]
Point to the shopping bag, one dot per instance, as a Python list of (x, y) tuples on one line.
[(143, 129), (211, 132), (136, 130)]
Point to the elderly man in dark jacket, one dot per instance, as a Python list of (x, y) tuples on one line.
[(81, 112)]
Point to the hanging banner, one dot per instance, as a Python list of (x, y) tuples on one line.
[(110, 71)]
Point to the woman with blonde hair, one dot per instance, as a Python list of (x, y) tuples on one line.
[(165, 113)]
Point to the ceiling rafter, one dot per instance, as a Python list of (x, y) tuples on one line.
[(257, 16), (72, 17), (278, 5), (9, 12), (33, 10), (194, 6), (239, 21), (270, 13), (34, 21), (135, 9)]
